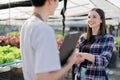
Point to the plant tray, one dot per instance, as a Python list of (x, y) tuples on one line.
[(8, 66)]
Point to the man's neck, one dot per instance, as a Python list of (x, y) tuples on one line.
[(41, 12)]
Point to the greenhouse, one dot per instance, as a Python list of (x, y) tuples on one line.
[(13, 14)]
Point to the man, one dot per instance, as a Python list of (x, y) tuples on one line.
[(40, 55)]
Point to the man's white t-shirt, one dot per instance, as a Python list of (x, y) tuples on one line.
[(38, 48)]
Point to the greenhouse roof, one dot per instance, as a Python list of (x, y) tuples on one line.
[(75, 8)]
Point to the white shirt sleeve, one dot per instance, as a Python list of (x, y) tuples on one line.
[(46, 51)]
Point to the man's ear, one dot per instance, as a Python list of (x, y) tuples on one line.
[(49, 1)]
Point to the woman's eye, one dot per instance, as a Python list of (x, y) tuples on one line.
[(88, 16), (94, 16)]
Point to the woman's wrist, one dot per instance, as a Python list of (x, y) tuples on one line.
[(89, 57), (85, 55)]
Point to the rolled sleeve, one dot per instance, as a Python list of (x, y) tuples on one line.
[(104, 58)]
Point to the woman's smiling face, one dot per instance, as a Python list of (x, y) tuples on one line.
[(94, 19)]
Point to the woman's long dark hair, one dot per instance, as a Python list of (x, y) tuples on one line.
[(103, 27)]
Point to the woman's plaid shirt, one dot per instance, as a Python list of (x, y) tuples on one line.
[(102, 48)]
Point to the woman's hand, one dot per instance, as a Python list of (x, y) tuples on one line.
[(74, 57), (88, 56), (80, 59)]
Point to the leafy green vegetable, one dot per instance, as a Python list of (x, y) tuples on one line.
[(9, 54), (59, 36), (14, 33), (117, 40)]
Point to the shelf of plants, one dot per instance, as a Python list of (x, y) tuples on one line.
[(10, 58), (9, 51)]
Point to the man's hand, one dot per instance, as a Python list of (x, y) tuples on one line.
[(80, 59), (59, 42)]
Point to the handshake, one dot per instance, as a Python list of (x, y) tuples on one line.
[(81, 58), (76, 58)]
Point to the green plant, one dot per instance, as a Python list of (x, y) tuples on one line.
[(9, 54), (59, 35), (117, 40), (117, 45), (14, 33)]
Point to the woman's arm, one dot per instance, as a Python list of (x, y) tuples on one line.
[(87, 56), (104, 58)]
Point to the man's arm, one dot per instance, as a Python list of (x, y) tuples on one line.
[(56, 75)]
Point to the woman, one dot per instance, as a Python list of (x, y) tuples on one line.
[(96, 47)]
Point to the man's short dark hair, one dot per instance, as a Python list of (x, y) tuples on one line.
[(38, 3)]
